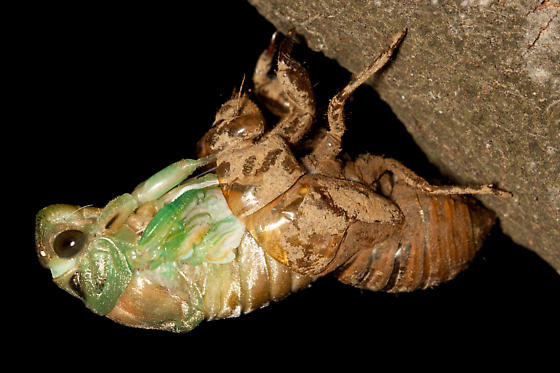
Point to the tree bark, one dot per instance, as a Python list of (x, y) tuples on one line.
[(475, 82)]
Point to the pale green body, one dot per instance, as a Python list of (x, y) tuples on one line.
[(194, 260)]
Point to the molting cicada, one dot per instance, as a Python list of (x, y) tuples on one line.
[(257, 222)]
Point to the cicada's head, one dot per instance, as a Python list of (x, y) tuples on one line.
[(91, 255), (62, 235), (81, 260)]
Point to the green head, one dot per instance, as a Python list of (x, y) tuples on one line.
[(82, 261), (87, 258)]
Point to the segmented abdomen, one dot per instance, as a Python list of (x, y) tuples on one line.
[(249, 282), (440, 235)]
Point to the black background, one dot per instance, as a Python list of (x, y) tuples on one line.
[(107, 96)]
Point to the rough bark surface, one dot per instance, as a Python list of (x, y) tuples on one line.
[(476, 83)]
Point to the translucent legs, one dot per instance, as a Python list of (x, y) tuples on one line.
[(119, 209), (166, 179)]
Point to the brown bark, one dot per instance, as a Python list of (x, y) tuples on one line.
[(475, 82)]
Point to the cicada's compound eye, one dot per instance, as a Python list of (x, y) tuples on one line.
[(238, 120), (68, 243), (62, 234)]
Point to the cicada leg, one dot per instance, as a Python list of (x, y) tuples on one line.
[(120, 209), (289, 94), (369, 169), (268, 89), (330, 146), (168, 178)]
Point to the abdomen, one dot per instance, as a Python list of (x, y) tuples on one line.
[(439, 237), (249, 282)]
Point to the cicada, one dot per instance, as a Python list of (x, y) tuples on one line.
[(249, 222)]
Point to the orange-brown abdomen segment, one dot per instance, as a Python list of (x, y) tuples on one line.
[(439, 237)]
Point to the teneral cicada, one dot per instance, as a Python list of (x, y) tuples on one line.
[(257, 222)]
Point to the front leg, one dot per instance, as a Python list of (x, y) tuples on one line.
[(289, 94), (267, 88), (120, 209)]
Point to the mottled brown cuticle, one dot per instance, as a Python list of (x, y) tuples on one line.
[(269, 160), (288, 164), (327, 200), (249, 165)]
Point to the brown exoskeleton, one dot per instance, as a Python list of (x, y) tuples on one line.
[(372, 221)]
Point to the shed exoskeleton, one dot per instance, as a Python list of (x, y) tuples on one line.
[(260, 222), (373, 221)]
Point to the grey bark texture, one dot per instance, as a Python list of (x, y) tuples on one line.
[(475, 82)]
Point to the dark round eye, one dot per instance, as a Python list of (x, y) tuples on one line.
[(69, 243)]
